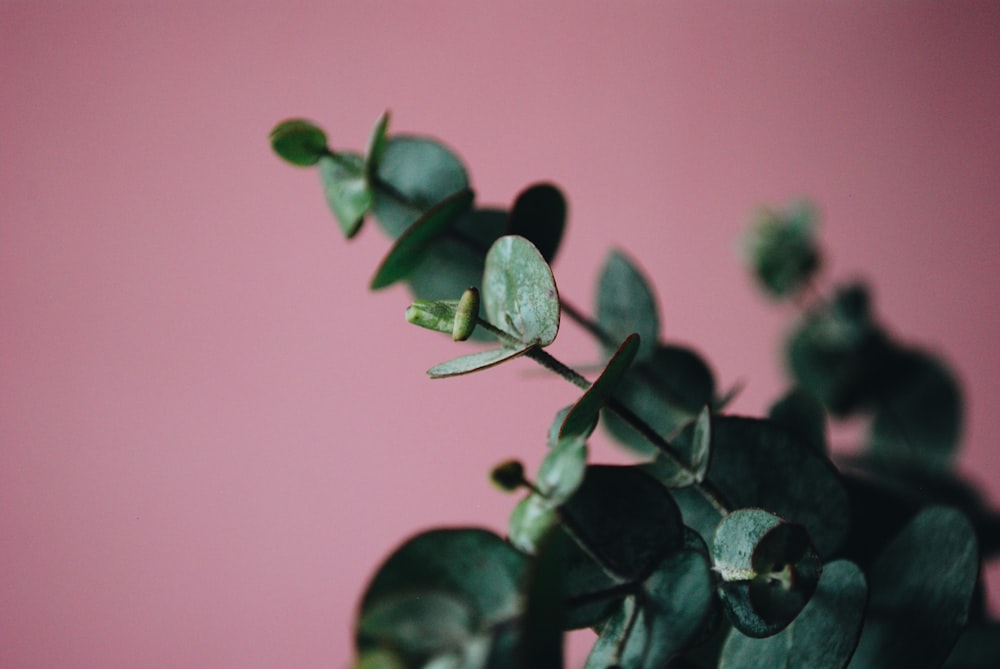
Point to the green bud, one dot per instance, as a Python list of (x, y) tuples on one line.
[(508, 476), (466, 315), (438, 315), (299, 142)]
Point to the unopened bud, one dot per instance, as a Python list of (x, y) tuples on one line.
[(466, 315), (508, 476)]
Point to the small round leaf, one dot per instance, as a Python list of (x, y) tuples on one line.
[(299, 142), (347, 191), (519, 291)]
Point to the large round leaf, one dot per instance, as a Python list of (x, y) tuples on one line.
[(519, 291), (473, 565), (757, 463), (539, 215), (823, 636), (921, 585), (412, 175), (626, 517)]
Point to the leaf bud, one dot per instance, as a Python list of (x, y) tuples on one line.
[(466, 315), (437, 315), (508, 476)]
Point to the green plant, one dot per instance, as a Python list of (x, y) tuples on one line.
[(733, 542)]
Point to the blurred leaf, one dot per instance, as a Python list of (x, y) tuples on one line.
[(918, 420), (583, 416), (473, 362), (803, 415), (626, 517), (556, 426), (379, 658), (377, 142), (539, 215), (673, 609), (409, 248), (562, 470), (666, 392), (978, 648), (412, 175), (530, 521), (921, 585), (299, 142), (823, 636), (695, 455), (756, 463), (519, 292), (584, 577), (545, 609), (839, 354), (418, 624), (780, 249), (769, 570), (347, 191), (626, 304)]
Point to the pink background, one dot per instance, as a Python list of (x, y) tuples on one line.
[(212, 433)]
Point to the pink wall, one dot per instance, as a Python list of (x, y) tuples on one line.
[(211, 432)]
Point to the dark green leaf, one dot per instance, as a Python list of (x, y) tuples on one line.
[(667, 392), (418, 624), (768, 569), (626, 517), (823, 636), (347, 191), (473, 565), (918, 420), (626, 303), (545, 609), (977, 648), (377, 142), (756, 463), (921, 585), (582, 418), (557, 423), (584, 578), (539, 215), (840, 354), (799, 412), (473, 362), (694, 453), (412, 175), (519, 292), (409, 248), (673, 608), (300, 142)]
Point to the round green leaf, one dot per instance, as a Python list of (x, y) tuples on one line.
[(921, 585), (583, 416), (673, 610), (473, 565), (626, 517), (769, 570), (299, 142), (412, 175), (473, 362), (411, 245), (539, 215), (823, 636), (781, 249), (519, 292), (347, 191), (626, 303), (666, 391), (417, 624), (756, 463)]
